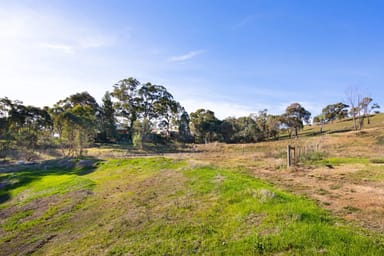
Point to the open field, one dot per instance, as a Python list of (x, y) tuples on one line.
[(213, 199)]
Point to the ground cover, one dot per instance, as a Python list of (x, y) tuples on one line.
[(164, 206)]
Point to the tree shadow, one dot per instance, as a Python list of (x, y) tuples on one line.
[(4, 198), (18, 175)]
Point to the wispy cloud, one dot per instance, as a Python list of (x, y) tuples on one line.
[(187, 56)]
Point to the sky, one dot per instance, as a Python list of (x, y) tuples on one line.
[(232, 57)]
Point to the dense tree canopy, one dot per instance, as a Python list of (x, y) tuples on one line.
[(152, 103), (204, 126)]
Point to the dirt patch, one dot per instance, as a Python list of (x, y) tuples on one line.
[(360, 203)]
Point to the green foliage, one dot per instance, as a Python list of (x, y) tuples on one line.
[(136, 101), (184, 127), (175, 207), (107, 122), (23, 127), (205, 126), (75, 122), (294, 117), (333, 111), (312, 157)]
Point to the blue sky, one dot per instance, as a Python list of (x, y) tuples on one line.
[(232, 57)]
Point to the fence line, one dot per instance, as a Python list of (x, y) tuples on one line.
[(294, 153)]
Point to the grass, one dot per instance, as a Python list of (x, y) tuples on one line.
[(160, 206), (369, 173), (343, 160)]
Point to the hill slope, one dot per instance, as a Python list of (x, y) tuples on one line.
[(160, 206)]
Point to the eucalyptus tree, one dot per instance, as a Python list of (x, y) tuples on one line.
[(5, 136), (128, 102), (229, 129), (75, 122), (366, 107), (205, 126), (22, 126), (145, 103), (273, 126), (335, 111), (294, 117), (184, 127)]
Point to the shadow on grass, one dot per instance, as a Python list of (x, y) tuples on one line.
[(4, 197), (151, 149), (21, 175)]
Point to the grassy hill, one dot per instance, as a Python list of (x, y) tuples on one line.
[(216, 200)]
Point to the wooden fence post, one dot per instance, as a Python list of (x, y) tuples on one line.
[(289, 156)]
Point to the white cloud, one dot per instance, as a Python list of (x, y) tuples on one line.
[(186, 56)]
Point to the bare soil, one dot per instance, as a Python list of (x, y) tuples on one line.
[(361, 203)]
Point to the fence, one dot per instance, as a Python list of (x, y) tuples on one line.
[(294, 153)]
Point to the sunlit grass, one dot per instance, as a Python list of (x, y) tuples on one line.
[(160, 206)]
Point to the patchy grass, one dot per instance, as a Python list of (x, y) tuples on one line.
[(370, 173), (160, 206), (342, 161)]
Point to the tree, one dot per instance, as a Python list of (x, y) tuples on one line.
[(5, 138), (128, 101), (359, 107), (184, 130), (107, 122), (75, 122), (366, 108), (261, 120), (228, 130), (22, 126), (142, 130), (273, 125), (136, 101), (354, 98), (375, 108), (294, 117), (166, 109), (335, 111), (205, 125), (248, 130)]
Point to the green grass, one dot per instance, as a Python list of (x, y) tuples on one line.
[(160, 206), (370, 173), (343, 160)]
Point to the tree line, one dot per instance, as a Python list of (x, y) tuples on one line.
[(138, 113)]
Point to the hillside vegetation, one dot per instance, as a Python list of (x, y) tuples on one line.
[(214, 199)]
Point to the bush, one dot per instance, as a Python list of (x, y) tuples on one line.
[(312, 157)]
